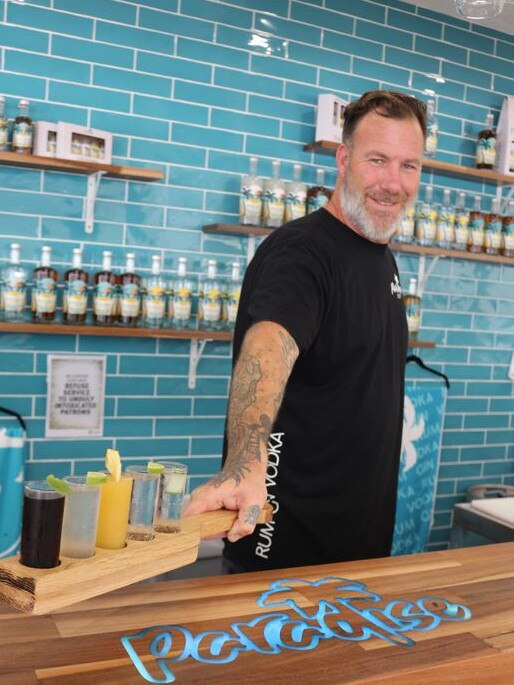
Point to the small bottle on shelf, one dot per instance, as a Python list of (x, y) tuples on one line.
[(74, 305), (446, 222), (210, 299), (426, 220), (250, 204), (432, 130), (154, 297), (318, 195), (493, 228), (508, 231), (486, 145), (476, 226), (296, 195), (461, 223), (23, 132), (232, 295), (4, 126), (274, 198), (44, 288), (180, 298), (14, 286), (129, 283), (412, 302), (405, 233), (105, 293)]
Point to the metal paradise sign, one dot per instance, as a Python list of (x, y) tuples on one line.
[(350, 612)]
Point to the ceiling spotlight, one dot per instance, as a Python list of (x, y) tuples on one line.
[(479, 9)]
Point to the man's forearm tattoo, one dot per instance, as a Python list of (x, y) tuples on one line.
[(289, 350), (252, 514)]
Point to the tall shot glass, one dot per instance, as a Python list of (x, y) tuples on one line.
[(114, 512), (143, 503), (80, 518), (42, 524), (171, 495)]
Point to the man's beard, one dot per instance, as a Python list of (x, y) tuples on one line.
[(376, 228)]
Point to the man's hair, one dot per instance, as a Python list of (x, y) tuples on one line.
[(387, 103)]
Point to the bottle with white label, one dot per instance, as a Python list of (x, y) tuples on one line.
[(476, 226), (412, 302), (232, 296), (426, 220), (74, 305), (486, 145), (129, 284), (210, 299), (508, 231), (318, 195), (274, 198), (105, 293), (23, 133), (250, 203), (461, 223), (407, 225), (180, 298), (44, 288), (296, 195), (154, 296), (432, 130), (4, 126), (14, 286), (446, 222), (493, 228)]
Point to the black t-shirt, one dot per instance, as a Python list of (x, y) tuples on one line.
[(334, 448)]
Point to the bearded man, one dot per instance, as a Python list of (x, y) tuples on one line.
[(316, 400)]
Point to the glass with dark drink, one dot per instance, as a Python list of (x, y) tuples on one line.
[(43, 509)]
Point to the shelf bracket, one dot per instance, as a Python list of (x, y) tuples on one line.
[(93, 181), (195, 354)]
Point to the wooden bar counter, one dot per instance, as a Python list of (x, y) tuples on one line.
[(82, 645)]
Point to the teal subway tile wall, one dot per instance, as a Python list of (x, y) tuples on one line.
[(194, 88)]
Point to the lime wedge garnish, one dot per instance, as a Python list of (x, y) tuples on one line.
[(154, 467), (95, 478), (175, 483), (58, 484), (113, 463)]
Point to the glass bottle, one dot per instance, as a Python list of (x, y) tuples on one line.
[(74, 305), (405, 233), (486, 145), (105, 293), (154, 296), (210, 299), (44, 288), (461, 223), (446, 222), (318, 195), (14, 286), (232, 296), (23, 132), (412, 302), (296, 195), (426, 219), (274, 198), (4, 126), (432, 130), (476, 226), (493, 228), (250, 203), (180, 299), (129, 284), (508, 231)]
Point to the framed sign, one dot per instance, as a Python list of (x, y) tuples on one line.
[(75, 396)]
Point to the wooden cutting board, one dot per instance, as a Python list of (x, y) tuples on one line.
[(39, 591)]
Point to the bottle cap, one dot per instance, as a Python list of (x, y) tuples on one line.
[(24, 103)]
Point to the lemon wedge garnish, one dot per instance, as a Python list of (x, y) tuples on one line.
[(95, 478), (154, 467), (113, 463), (58, 484)]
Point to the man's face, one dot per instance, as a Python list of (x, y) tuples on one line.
[(381, 170)]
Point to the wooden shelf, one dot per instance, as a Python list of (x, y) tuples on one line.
[(327, 147), (457, 254), (237, 229), (70, 166)]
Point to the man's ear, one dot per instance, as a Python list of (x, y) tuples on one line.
[(342, 157)]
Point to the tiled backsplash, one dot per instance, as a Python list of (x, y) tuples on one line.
[(194, 87)]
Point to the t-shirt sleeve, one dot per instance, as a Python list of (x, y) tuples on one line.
[(288, 290)]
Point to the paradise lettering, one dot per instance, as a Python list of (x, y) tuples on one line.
[(353, 613)]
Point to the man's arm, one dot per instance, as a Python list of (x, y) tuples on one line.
[(267, 356)]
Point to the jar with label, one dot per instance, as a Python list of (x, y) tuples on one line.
[(432, 130), (180, 297), (105, 293), (13, 281), (296, 196), (23, 133), (493, 228), (4, 126), (74, 306), (232, 296), (426, 219), (461, 223), (250, 203), (446, 222), (412, 302), (476, 226), (129, 284), (318, 195), (274, 198), (44, 288), (405, 232), (154, 296), (508, 231), (486, 145), (210, 299)]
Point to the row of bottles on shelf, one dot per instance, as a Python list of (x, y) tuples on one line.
[(270, 202), (16, 135), (485, 156), (454, 227), (125, 299)]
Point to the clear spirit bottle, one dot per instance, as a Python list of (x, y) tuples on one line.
[(493, 228), (154, 296), (14, 286), (274, 198), (129, 283), (23, 132), (180, 299), (318, 195), (105, 293), (250, 204), (508, 231), (412, 302), (4, 126), (296, 196), (476, 226), (74, 305), (432, 130), (486, 145), (232, 296), (210, 299), (44, 288), (407, 225), (426, 220), (461, 223), (446, 222)]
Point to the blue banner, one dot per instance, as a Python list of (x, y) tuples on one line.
[(421, 445), (12, 442)]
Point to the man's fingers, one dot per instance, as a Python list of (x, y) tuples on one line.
[(245, 522)]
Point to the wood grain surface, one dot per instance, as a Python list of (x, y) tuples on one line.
[(80, 645)]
